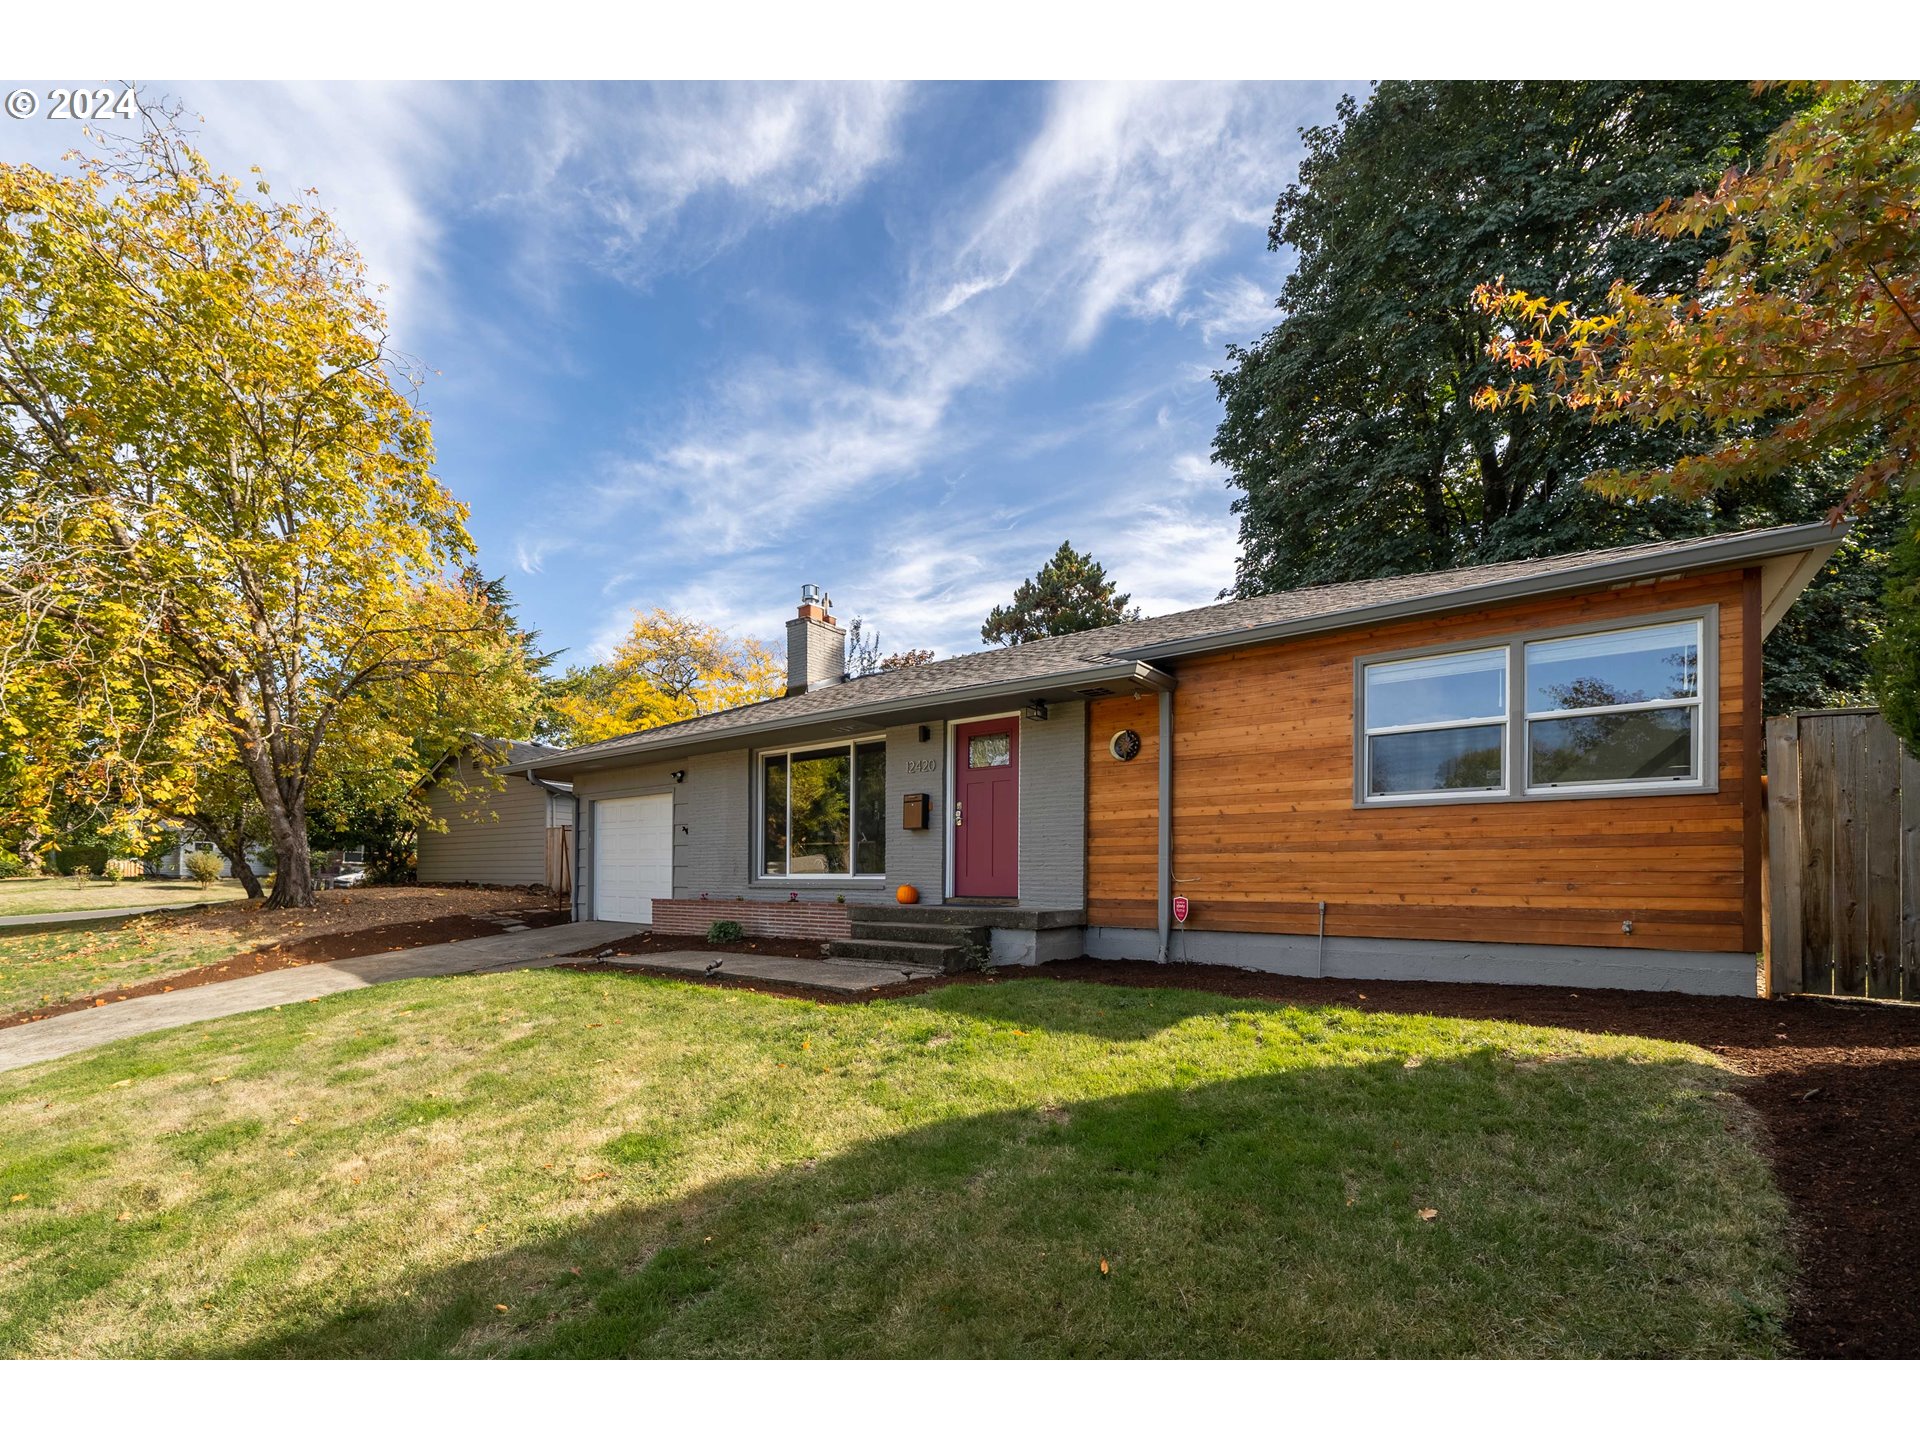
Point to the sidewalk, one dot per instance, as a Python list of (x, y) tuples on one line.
[(60, 919), (516, 950)]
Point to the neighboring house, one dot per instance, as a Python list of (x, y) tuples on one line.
[(172, 863), (1545, 771), (510, 831)]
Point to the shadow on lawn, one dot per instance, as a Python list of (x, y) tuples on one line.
[(1583, 1206)]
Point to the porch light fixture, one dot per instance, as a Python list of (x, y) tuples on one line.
[(1036, 710), (679, 777)]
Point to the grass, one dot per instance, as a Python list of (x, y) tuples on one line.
[(52, 894), (54, 966), (557, 1163)]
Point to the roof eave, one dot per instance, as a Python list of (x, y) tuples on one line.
[(1136, 673), (1813, 543)]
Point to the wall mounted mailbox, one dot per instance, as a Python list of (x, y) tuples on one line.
[(913, 812)]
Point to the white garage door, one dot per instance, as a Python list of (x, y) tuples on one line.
[(633, 857)]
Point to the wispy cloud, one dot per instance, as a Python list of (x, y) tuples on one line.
[(1120, 208)]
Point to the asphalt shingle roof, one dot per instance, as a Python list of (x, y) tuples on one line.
[(1058, 657)]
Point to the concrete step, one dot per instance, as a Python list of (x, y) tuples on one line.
[(921, 932), (900, 952)]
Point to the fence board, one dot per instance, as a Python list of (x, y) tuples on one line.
[(1880, 804), (1786, 862), (1849, 858), (1816, 894), (1909, 876)]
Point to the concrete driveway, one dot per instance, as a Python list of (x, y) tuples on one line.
[(517, 950)]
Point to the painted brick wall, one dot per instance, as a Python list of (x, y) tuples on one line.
[(755, 917), (1053, 807), (917, 857)]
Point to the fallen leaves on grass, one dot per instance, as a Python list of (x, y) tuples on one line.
[(1105, 1269), (1428, 1214)]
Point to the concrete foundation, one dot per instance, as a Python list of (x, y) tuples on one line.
[(1577, 967)]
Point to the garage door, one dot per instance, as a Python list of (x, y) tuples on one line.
[(632, 857)]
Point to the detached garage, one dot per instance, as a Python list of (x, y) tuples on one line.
[(632, 857)]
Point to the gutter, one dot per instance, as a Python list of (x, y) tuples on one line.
[(1817, 539), (1135, 673)]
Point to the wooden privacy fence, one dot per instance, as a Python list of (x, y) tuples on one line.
[(1843, 833), (560, 859)]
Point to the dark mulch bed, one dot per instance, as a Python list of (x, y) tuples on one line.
[(310, 950), (1837, 1085)]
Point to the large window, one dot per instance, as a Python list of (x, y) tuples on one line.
[(1616, 707), (1437, 724), (1598, 711), (823, 811)]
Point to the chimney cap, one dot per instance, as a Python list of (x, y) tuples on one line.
[(815, 595)]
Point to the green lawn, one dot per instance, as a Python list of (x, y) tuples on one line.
[(554, 1163), (54, 966), (51, 894)]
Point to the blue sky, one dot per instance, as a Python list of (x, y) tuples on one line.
[(694, 345)]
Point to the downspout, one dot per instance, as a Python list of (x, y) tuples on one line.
[(1166, 823)]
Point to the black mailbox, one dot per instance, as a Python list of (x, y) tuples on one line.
[(913, 812)]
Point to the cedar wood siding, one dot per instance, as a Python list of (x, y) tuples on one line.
[(1265, 824), (505, 845)]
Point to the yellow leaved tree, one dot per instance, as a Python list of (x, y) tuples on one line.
[(223, 550), (670, 667)]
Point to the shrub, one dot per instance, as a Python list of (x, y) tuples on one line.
[(724, 932), (11, 865), (80, 875), (204, 866), (122, 869)]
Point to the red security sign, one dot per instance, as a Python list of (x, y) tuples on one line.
[(1180, 908)]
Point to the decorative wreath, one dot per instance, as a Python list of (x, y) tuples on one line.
[(1124, 745)]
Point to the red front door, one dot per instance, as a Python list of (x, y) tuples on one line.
[(986, 809)]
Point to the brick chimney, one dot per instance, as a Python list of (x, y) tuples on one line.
[(816, 645)]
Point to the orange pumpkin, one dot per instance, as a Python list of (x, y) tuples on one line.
[(907, 895)]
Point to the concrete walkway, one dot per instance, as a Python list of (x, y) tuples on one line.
[(516, 950), (845, 976)]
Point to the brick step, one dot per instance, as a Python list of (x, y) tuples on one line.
[(923, 932), (900, 952)]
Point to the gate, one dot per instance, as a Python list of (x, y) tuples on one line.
[(1843, 832)]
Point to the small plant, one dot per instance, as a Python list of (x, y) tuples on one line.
[(203, 866), (123, 869), (80, 875), (976, 955), (11, 865), (725, 932)]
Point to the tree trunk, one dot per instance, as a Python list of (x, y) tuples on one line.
[(293, 876), (242, 871)]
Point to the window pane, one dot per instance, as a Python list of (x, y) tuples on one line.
[(821, 785), (1421, 761), (985, 752), (1593, 749), (1436, 688), (1655, 662), (870, 807), (773, 820)]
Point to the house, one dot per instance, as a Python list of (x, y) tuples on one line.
[(514, 830), (1543, 771), (171, 863)]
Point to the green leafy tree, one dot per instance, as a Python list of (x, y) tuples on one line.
[(1350, 429), (1070, 594)]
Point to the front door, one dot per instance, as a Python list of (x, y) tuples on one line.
[(986, 809)]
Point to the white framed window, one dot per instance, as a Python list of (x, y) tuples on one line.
[(1616, 707), (823, 811), (1621, 709), (1436, 724)]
